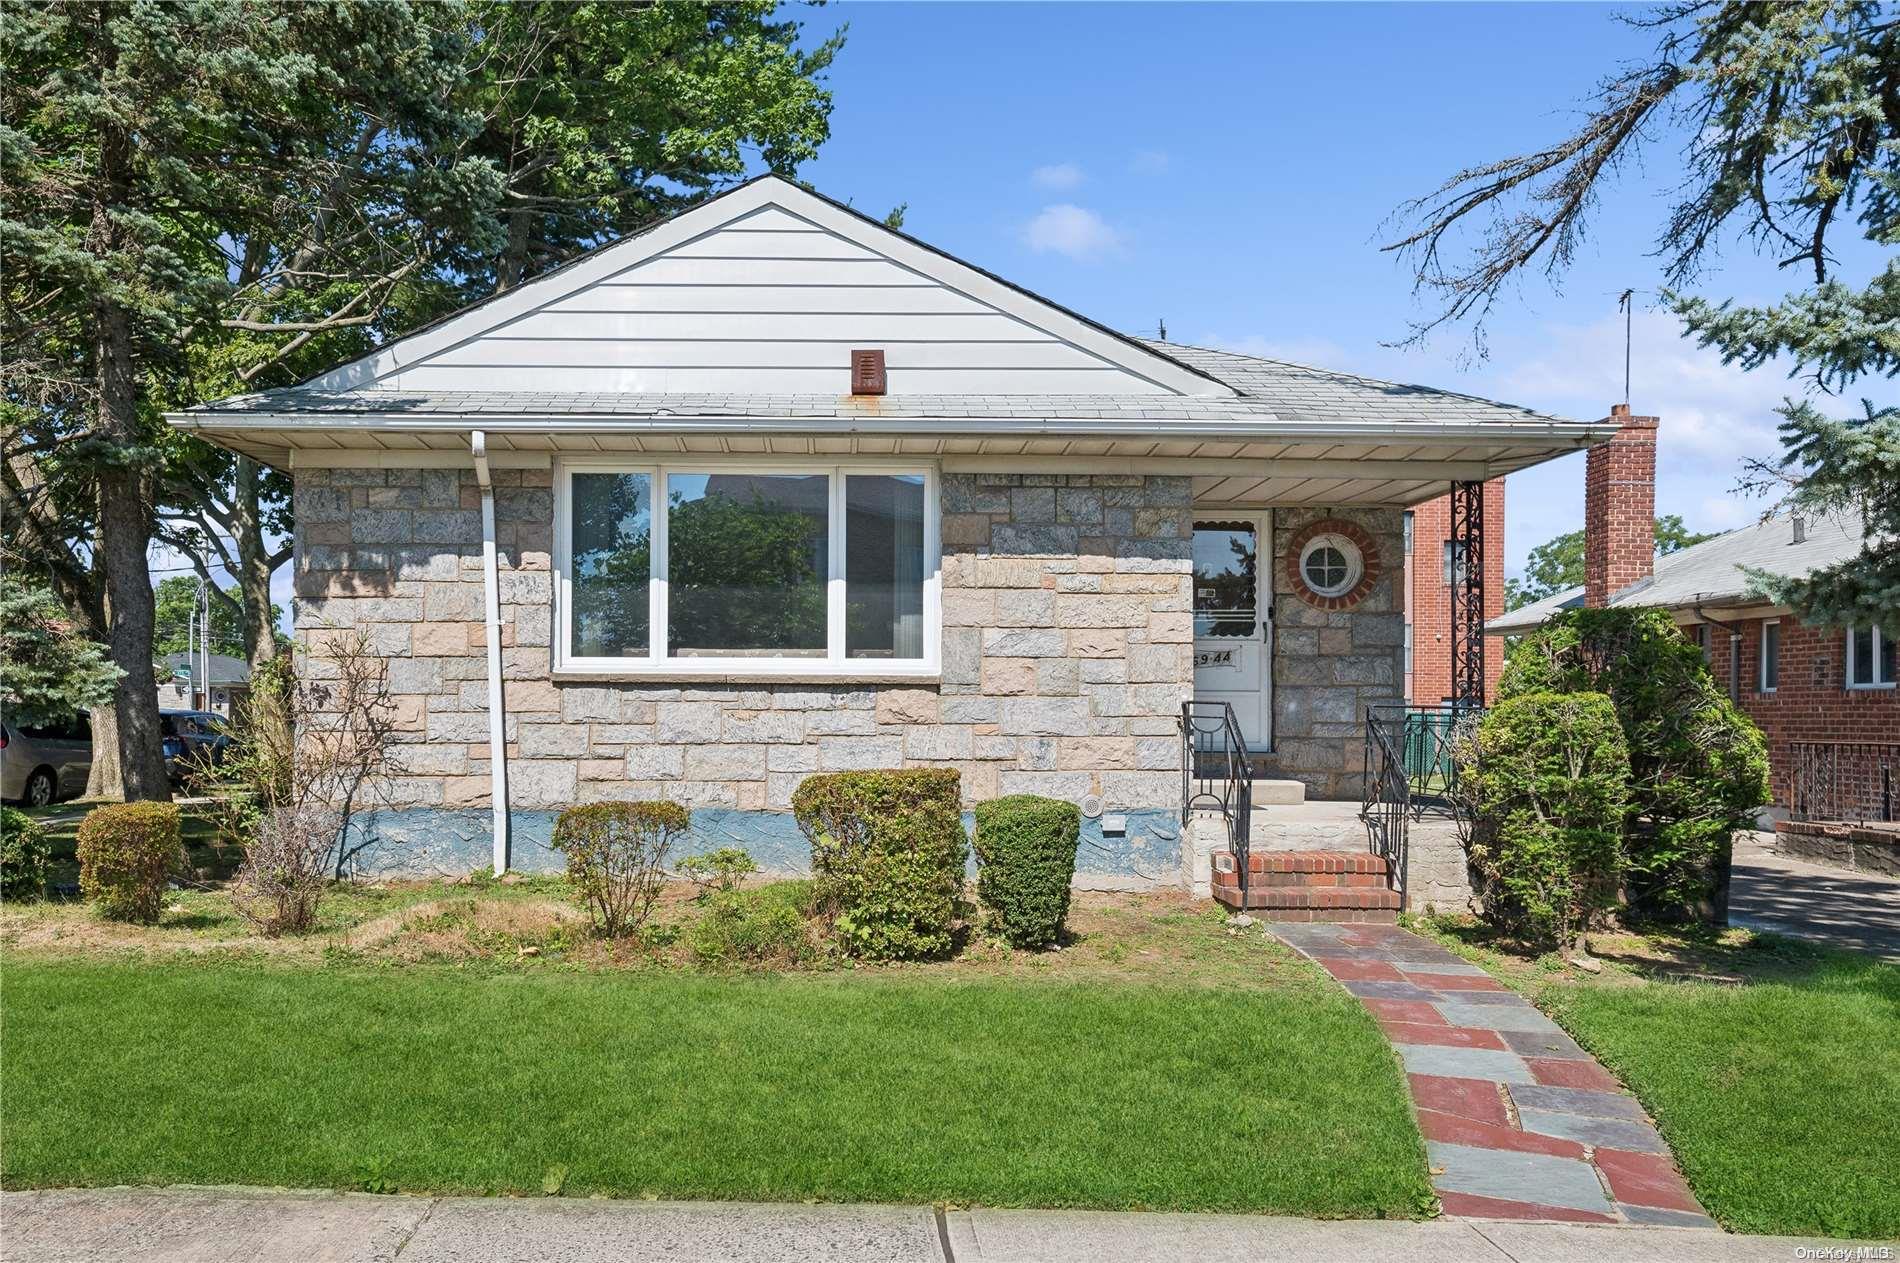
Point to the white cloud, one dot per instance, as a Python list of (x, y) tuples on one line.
[(1149, 162), (1074, 231), (1714, 415), (1058, 176)]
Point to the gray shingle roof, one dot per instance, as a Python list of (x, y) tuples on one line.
[(1300, 392), (1711, 573), (1272, 390)]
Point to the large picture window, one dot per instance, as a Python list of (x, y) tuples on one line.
[(769, 570)]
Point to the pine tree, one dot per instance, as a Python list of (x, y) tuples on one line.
[(1791, 119)]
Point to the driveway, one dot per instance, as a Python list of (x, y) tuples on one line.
[(1811, 901)]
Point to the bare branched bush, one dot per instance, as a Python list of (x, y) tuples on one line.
[(286, 868), (311, 750)]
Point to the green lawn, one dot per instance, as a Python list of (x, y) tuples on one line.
[(1772, 1067), (881, 1086)]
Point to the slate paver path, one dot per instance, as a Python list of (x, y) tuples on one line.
[(1519, 1121)]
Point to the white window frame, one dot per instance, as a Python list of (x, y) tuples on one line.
[(1879, 638), (656, 664), (1761, 656)]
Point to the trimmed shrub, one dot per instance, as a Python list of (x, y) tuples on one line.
[(127, 854), (1549, 789), (766, 926), (1698, 766), (616, 854), (887, 851), (23, 856), (1025, 854)]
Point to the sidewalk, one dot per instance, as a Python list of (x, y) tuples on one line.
[(260, 1226)]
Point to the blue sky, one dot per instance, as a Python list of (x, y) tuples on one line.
[(1228, 168)]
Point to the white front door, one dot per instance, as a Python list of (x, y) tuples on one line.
[(1233, 631)]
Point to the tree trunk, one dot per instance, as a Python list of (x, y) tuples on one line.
[(253, 570), (103, 780), (513, 267), (126, 491)]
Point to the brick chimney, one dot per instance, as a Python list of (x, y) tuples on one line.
[(1619, 508)]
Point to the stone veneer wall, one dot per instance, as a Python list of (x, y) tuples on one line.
[(1066, 654), (1329, 665)]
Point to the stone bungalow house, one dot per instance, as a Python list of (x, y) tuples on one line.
[(770, 489)]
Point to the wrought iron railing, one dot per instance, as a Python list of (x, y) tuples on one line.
[(1387, 804), (1410, 771), (1216, 775), (1425, 741), (1850, 781)]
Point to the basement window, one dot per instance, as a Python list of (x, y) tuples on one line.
[(1869, 659), (768, 570)]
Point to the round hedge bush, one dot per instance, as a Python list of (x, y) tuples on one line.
[(127, 854), (1025, 852), (887, 856)]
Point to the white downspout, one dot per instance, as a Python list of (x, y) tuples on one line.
[(491, 592)]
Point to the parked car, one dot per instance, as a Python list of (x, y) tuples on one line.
[(194, 740), (42, 765)]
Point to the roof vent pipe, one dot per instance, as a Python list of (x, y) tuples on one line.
[(491, 593), (1800, 528)]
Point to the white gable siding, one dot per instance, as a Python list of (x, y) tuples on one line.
[(770, 303)]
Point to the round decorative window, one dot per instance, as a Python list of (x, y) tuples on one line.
[(1330, 565)]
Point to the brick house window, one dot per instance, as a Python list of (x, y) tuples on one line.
[(1454, 562), (1735, 666), (771, 570), (1768, 675), (1869, 659)]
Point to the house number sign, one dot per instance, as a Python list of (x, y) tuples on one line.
[(1214, 658)]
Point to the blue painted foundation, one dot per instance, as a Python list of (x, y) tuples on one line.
[(421, 841)]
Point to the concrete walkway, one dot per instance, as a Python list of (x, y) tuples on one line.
[(258, 1226), (1519, 1122), (1835, 906)]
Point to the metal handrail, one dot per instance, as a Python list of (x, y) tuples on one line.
[(1846, 781), (1386, 805), (1217, 775), (1426, 740)]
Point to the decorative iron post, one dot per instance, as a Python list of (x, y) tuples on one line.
[(1467, 594)]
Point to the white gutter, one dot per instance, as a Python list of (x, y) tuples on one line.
[(1148, 428), (491, 592)]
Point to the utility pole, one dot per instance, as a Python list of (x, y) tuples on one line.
[(191, 654), (204, 621)]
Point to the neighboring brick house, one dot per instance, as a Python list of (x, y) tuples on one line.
[(1431, 553), (771, 489), (1824, 697)]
